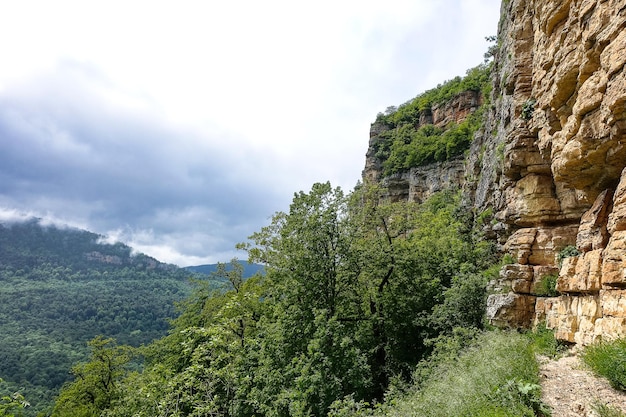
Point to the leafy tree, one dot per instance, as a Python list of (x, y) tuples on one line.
[(96, 383), (315, 300), (203, 366), (11, 403)]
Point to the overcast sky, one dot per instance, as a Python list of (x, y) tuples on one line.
[(181, 127)]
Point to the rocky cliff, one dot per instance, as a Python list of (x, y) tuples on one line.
[(549, 163)]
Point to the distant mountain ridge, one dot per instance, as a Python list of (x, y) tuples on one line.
[(249, 269)]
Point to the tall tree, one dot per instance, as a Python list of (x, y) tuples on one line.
[(96, 383), (313, 335)]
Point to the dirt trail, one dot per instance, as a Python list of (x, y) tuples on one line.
[(570, 389)]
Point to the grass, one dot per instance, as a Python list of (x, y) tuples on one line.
[(544, 343), (608, 359), (496, 376), (603, 410)]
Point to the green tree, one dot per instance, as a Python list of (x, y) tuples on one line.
[(12, 404), (313, 349), (355, 288), (96, 383), (203, 366)]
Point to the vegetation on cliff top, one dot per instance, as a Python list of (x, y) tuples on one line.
[(406, 144)]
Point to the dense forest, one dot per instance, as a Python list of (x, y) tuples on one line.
[(61, 287), (357, 292)]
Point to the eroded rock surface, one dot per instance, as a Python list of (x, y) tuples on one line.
[(560, 117), (549, 164)]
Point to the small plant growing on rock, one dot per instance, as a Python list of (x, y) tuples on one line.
[(547, 286), (500, 151), (528, 109), (567, 252), (508, 259)]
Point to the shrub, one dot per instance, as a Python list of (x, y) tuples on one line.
[(496, 376), (547, 286), (567, 252), (608, 359), (528, 109)]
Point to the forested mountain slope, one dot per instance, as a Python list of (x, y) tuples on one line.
[(60, 287)]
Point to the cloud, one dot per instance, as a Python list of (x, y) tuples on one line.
[(78, 154), (181, 129)]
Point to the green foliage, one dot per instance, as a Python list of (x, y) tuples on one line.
[(528, 109), (61, 288), (495, 376), (464, 303), (411, 148), (12, 403), (403, 146), (357, 291), (507, 259), (493, 48), (96, 383), (608, 359), (485, 216), (567, 252), (500, 151), (604, 410), (547, 286), (544, 342), (476, 79)]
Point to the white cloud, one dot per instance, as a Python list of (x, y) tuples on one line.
[(185, 125)]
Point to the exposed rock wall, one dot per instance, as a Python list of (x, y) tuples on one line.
[(550, 164), (419, 183), (560, 116)]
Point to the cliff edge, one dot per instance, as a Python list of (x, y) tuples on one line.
[(546, 167)]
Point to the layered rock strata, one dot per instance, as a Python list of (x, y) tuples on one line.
[(418, 183), (560, 93), (549, 164)]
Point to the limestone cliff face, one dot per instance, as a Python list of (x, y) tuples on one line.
[(418, 183), (550, 164), (560, 118)]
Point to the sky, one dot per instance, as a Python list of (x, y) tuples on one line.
[(181, 127)]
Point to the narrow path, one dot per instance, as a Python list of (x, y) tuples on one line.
[(571, 390)]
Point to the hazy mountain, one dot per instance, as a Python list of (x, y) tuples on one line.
[(249, 269)]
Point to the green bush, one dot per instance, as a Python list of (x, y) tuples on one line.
[(547, 286), (608, 359), (528, 109), (496, 376), (567, 252)]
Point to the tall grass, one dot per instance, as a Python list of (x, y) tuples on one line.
[(497, 376), (608, 359), (603, 410)]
